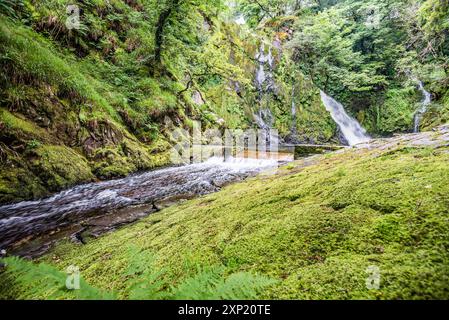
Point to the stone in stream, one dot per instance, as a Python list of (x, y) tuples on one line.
[(302, 151)]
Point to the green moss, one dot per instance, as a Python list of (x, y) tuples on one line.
[(315, 228), (59, 167), (54, 96), (20, 127), (313, 122), (113, 164), (437, 114), (19, 184), (397, 111), (128, 157)]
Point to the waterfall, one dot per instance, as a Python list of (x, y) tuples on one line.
[(264, 73), (265, 83), (293, 127), (350, 128), (427, 99)]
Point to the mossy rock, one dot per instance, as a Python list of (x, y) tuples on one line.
[(128, 157), (19, 184), (59, 167), (19, 129), (397, 111), (111, 163)]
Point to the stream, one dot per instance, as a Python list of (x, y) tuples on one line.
[(30, 228)]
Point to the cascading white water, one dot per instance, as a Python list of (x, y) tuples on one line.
[(265, 83), (293, 126), (264, 72), (427, 99), (350, 128), (242, 163)]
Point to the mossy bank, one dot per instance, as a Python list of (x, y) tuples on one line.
[(314, 226)]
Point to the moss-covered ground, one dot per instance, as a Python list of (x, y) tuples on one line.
[(316, 226)]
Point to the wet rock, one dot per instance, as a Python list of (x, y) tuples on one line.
[(171, 201), (438, 138), (100, 134), (221, 182), (77, 237), (197, 98)]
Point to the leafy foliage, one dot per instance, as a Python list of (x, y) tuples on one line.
[(361, 51), (10, 7), (42, 278), (210, 284), (143, 282)]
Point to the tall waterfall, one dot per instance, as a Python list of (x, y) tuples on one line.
[(264, 73), (350, 128), (427, 99)]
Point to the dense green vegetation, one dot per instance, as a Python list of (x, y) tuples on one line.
[(142, 281), (370, 55), (99, 101), (110, 90)]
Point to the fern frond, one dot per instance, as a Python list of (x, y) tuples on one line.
[(42, 280), (211, 284), (242, 286), (9, 7), (202, 286), (145, 282)]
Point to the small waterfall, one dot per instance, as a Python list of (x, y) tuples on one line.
[(264, 73), (350, 128), (265, 83), (293, 127), (427, 99)]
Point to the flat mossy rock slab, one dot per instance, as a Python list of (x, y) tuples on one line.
[(316, 227)]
